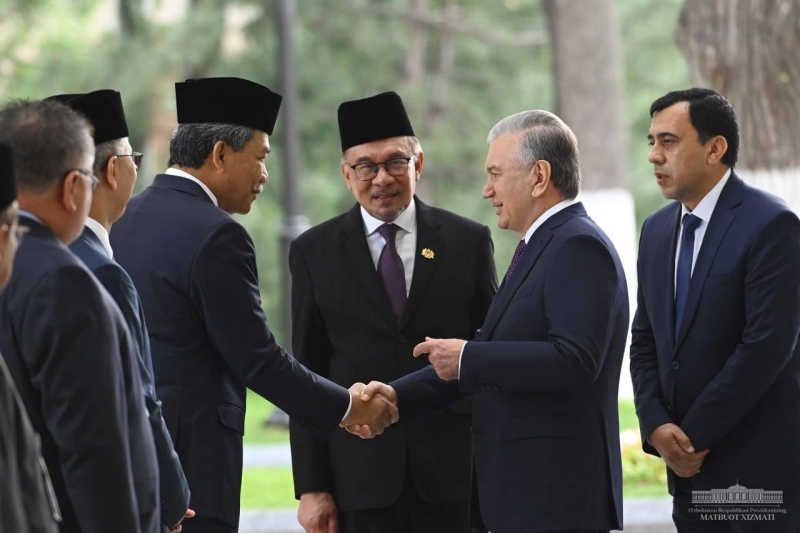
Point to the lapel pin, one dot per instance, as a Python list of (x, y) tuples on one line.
[(427, 253)]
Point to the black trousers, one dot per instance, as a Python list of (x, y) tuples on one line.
[(204, 524), (409, 514)]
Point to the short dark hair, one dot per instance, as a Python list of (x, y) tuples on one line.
[(47, 138), (191, 144), (710, 114), (105, 151)]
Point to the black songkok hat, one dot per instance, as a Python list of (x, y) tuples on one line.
[(104, 110), (227, 101), (372, 119), (8, 186)]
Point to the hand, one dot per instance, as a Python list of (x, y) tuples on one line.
[(317, 513), (676, 449), (378, 412), (178, 527), (444, 355), (375, 388)]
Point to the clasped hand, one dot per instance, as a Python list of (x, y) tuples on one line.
[(375, 411), (676, 449)]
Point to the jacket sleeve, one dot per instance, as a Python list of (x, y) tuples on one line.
[(310, 461), (580, 303), (772, 325), (224, 286), (648, 397), (74, 363), (174, 487)]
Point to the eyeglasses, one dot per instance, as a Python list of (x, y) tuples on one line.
[(19, 231), (94, 179), (137, 157), (395, 167)]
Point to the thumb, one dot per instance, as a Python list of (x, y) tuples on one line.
[(333, 523), (683, 441)]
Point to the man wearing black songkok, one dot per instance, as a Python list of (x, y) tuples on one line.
[(367, 286), (194, 266)]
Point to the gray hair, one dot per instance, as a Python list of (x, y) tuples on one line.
[(544, 136), (47, 139), (191, 144), (412, 144), (105, 151)]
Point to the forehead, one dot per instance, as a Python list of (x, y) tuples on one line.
[(377, 150), (259, 142), (674, 118), (501, 151)]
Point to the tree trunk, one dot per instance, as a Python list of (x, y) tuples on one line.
[(587, 66), (749, 51)]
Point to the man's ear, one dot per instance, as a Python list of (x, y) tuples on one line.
[(345, 172), (419, 161), (540, 177), (218, 154), (70, 189), (719, 147), (110, 175)]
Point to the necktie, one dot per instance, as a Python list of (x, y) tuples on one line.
[(684, 273), (515, 259), (391, 270)]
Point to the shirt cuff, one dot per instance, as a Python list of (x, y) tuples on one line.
[(349, 406), (459, 360)]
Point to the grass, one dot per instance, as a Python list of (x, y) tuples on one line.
[(272, 487)]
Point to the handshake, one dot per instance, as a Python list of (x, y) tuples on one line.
[(374, 409)]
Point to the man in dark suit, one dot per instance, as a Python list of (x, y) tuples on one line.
[(64, 339), (714, 358), (27, 504), (194, 266), (115, 165), (544, 368), (350, 325)]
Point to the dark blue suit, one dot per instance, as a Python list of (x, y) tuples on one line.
[(74, 364), (195, 270), (174, 489), (544, 376), (731, 378)]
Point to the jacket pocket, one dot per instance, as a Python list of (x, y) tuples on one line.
[(231, 417)]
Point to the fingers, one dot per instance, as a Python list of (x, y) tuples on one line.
[(333, 524), (424, 347), (376, 387), (683, 440)]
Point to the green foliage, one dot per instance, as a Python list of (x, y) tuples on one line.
[(268, 488), (642, 473), (255, 432)]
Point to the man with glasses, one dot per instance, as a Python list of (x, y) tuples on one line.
[(115, 166), (64, 340), (367, 286)]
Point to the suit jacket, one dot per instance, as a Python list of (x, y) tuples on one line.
[(731, 378), (173, 485), (74, 364), (27, 500), (194, 267), (544, 377), (343, 327)]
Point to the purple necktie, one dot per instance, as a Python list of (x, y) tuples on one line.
[(515, 259), (390, 267)]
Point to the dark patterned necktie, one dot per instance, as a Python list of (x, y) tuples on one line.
[(684, 273), (390, 267), (515, 259)]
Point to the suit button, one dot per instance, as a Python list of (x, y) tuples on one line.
[(675, 365), (483, 387), (401, 339)]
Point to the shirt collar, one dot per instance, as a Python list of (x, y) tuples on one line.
[(547, 214), (182, 174), (705, 208), (407, 220), (101, 233)]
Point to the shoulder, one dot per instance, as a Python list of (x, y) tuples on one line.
[(762, 205), (321, 233)]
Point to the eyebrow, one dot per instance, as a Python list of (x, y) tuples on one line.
[(662, 135), (492, 168), (393, 155)]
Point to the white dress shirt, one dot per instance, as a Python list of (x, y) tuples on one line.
[(182, 174), (102, 234), (405, 241), (528, 234), (703, 211)]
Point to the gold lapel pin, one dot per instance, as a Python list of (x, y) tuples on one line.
[(427, 253)]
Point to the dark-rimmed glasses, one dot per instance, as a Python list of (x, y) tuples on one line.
[(395, 167), (94, 179), (137, 157)]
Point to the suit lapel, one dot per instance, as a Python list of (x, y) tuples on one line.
[(723, 216), (424, 265), (89, 237), (536, 245), (665, 261), (354, 249)]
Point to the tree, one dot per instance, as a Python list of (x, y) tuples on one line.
[(749, 51)]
